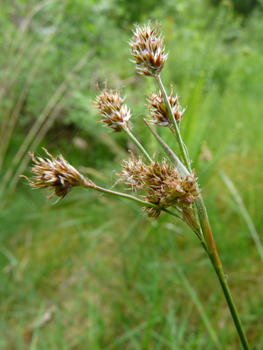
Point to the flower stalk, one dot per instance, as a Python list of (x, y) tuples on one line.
[(205, 235), (169, 183), (134, 199), (215, 260), (138, 144), (57, 175), (208, 243)]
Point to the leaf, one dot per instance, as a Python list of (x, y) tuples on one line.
[(169, 153)]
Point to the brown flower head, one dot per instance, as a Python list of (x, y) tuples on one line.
[(55, 174), (147, 48), (164, 185), (159, 112), (111, 106)]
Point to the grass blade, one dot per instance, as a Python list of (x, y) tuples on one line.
[(244, 213)]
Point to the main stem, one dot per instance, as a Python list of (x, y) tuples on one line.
[(207, 239), (208, 243), (214, 258), (232, 308)]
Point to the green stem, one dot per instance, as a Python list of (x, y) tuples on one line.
[(208, 242), (127, 196), (232, 308), (176, 129), (169, 153), (214, 258), (138, 144)]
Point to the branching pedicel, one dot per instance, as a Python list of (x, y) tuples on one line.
[(168, 184)]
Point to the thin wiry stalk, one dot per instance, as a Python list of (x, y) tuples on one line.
[(138, 144), (135, 199)]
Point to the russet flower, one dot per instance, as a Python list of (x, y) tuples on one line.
[(112, 108), (159, 112), (162, 182), (55, 174), (147, 49)]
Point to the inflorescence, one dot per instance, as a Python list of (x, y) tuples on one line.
[(164, 185), (158, 110), (55, 175), (112, 108), (147, 49)]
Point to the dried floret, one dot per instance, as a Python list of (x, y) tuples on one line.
[(55, 174), (164, 185), (159, 112), (112, 108), (147, 49)]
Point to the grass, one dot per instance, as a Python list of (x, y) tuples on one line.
[(148, 286), (113, 287), (27, 55)]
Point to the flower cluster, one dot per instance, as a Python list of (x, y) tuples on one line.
[(159, 112), (147, 48), (55, 174), (111, 106), (164, 185)]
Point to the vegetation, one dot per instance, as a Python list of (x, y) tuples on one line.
[(73, 275)]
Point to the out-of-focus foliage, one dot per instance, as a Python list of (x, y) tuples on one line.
[(241, 6), (79, 44), (110, 275)]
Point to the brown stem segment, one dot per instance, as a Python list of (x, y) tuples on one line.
[(208, 236), (213, 256)]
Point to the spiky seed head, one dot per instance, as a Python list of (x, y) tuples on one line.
[(159, 112), (112, 108), (55, 174), (164, 185), (147, 49)]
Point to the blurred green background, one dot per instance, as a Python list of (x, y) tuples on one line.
[(91, 272)]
